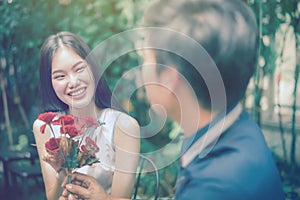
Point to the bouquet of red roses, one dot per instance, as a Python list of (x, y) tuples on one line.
[(66, 149)]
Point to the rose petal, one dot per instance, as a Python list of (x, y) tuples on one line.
[(52, 144), (47, 117), (42, 128), (71, 130)]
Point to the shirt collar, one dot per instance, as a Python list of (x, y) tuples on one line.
[(205, 138)]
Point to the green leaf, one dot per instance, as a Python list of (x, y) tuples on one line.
[(71, 158), (91, 161)]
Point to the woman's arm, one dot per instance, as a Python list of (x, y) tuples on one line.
[(127, 146), (52, 179)]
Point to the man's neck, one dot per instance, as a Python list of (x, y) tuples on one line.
[(194, 118)]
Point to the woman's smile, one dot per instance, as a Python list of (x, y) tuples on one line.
[(77, 93)]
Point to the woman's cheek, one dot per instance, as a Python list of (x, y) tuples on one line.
[(59, 87)]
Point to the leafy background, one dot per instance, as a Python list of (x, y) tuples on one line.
[(25, 24)]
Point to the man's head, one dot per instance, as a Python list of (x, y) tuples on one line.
[(226, 29)]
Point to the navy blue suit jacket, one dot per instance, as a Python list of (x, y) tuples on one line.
[(239, 167)]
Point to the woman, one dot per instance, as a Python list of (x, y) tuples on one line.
[(69, 85)]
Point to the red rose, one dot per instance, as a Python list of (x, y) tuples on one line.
[(90, 148), (64, 120), (80, 127), (83, 148), (88, 121), (85, 122), (52, 145), (71, 130), (47, 117)]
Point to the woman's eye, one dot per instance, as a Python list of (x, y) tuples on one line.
[(59, 77), (80, 69)]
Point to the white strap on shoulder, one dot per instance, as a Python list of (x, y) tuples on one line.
[(210, 138)]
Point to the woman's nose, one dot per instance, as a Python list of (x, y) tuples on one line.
[(73, 81)]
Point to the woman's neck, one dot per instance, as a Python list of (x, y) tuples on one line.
[(91, 110)]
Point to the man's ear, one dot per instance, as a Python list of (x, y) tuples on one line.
[(169, 78)]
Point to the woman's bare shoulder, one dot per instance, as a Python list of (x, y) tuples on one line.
[(125, 120), (38, 128), (37, 125)]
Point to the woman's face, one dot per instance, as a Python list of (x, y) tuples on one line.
[(72, 79)]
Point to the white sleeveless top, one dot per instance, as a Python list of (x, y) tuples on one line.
[(103, 136)]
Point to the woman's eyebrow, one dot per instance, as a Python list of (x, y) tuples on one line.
[(79, 62)]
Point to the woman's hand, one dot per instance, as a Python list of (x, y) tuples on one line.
[(54, 159)]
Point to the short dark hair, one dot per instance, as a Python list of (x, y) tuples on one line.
[(226, 29), (50, 101)]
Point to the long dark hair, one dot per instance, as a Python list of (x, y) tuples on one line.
[(50, 101)]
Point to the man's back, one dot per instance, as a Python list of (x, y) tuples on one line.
[(240, 166)]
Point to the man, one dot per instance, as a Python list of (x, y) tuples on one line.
[(224, 155)]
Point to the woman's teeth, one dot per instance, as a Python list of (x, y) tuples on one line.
[(77, 92)]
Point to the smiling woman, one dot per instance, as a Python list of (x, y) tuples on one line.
[(69, 84)]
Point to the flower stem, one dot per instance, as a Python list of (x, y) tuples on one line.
[(69, 177)]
